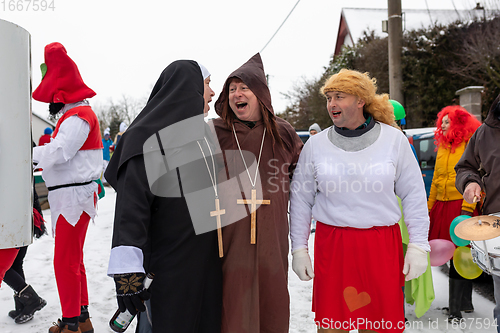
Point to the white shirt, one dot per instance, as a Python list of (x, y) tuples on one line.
[(358, 189), (63, 162)]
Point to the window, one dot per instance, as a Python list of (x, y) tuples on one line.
[(425, 152)]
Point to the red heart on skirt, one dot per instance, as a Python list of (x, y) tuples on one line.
[(354, 300)]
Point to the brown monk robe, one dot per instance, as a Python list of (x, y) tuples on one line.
[(255, 286)]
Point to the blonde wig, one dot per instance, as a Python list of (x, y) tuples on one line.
[(361, 85)]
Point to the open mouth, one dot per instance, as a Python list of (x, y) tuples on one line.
[(241, 105), (336, 113)]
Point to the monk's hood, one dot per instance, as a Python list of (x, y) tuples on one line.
[(253, 75)]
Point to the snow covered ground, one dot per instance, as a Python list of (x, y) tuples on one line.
[(40, 274)]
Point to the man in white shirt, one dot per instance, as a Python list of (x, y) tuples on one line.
[(349, 177)]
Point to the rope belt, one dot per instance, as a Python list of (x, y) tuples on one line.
[(52, 188)]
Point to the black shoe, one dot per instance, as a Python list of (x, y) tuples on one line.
[(31, 302), (455, 319), (19, 307)]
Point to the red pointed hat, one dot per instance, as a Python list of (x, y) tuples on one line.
[(62, 82)]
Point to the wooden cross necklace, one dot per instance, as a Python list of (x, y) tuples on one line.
[(217, 212), (253, 202)]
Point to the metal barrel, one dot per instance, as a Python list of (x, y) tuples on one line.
[(16, 170)]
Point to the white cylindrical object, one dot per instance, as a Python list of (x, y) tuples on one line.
[(16, 170)]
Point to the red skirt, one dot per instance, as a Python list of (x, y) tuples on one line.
[(441, 216), (358, 278)]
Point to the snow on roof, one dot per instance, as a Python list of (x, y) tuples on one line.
[(366, 19), (43, 117)]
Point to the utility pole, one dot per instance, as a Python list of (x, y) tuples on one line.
[(395, 50)]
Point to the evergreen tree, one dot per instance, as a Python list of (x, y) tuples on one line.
[(437, 61)]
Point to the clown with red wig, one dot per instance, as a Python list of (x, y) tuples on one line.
[(70, 162), (455, 127)]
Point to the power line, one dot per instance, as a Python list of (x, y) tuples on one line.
[(429, 12), (286, 18), (456, 11)]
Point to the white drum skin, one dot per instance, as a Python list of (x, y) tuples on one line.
[(488, 250)]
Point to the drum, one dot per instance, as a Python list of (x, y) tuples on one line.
[(16, 167), (486, 254)]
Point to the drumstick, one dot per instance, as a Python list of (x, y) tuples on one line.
[(476, 199)]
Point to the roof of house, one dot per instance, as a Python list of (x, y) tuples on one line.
[(44, 119), (354, 21)]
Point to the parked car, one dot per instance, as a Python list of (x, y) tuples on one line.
[(423, 141), (303, 135)]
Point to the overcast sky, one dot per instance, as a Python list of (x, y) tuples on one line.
[(121, 47)]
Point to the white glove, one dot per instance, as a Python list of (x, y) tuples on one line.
[(415, 262), (301, 265)]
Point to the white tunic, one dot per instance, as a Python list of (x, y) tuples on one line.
[(63, 162), (358, 189)]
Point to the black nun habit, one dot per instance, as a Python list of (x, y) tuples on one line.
[(164, 198)]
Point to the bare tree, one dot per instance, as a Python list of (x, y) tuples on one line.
[(113, 113), (307, 105), (479, 55)]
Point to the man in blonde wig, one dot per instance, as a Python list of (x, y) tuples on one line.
[(348, 177)]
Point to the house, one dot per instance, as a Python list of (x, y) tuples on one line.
[(39, 124), (354, 21)]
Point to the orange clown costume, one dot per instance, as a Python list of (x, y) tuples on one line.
[(445, 201), (349, 177), (70, 162), (455, 127)]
